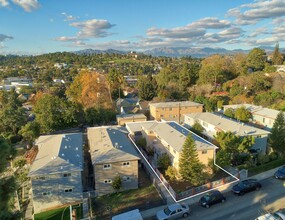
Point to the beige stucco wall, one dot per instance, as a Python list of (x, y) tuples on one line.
[(117, 168), (172, 114)]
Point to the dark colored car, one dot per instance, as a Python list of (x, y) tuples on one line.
[(212, 198), (246, 186), (280, 173)]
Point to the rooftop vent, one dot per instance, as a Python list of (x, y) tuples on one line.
[(116, 145), (76, 148)]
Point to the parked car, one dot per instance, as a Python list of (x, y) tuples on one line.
[(212, 198), (246, 186), (279, 215), (280, 173), (174, 211)]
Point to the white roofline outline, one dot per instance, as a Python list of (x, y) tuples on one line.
[(192, 196)]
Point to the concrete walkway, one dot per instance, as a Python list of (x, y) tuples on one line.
[(226, 188)]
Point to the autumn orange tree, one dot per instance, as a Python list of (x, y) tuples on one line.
[(90, 90)]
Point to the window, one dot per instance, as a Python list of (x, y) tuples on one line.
[(161, 116), (263, 120), (126, 163), (66, 174), (126, 178), (46, 193), (170, 109), (204, 151), (107, 181), (68, 190), (107, 166), (41, 178)]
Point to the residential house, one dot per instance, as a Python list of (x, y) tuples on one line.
[(112, 154), (124, 118), (213, 123), (169, 137), (173, 111), (260, 116), (126, 102), (56, 173)]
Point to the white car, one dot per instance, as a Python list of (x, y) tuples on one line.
[(174, 211), (272, 216)]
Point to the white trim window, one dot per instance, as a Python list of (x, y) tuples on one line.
[(126, 179), (107, 166), (107, 181), (66, 174), (68, 190), (126, 164), (46, 193)]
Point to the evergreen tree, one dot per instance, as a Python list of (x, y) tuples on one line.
[(277, 58), (190, 168), (147, 87), (277, 137)]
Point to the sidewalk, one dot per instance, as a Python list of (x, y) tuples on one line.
[(226, 188)]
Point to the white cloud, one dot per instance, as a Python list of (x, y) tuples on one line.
[(4, 37), (192, 30), (93, 28), (4, 3), (68, 17), (27, 5), (254, 12)]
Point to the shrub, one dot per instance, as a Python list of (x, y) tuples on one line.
[(20, 163), (141, 142), (117, 183), (273, 156), (163, 161), (262, 159), (171, 172)]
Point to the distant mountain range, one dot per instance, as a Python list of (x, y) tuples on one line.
[(177, 51)]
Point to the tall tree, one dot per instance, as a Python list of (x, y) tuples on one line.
[(216, 69), (54, 113), (243, 114), (277, 137), (256, 59), (190, 168), (90, 90), (5, 151), (277, 58), (12, 115), (147, 87)]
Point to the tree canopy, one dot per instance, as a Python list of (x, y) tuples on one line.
[(277, 137), (190, 168)]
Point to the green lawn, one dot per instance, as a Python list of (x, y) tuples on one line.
[(57, 214), (106, 206)]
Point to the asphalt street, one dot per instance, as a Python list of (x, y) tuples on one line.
[(269, 198)]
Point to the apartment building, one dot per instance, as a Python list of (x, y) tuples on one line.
[(173, 111), (213, 123), (112, 154), (169, 137), (56, 173)]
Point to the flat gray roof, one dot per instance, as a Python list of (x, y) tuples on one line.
[(171, 132), (257, 110), (226, 124), (58, 153), (110, 144), (175, 104), (130, 116)]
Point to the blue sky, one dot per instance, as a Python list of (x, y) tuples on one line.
[(41, 26)]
